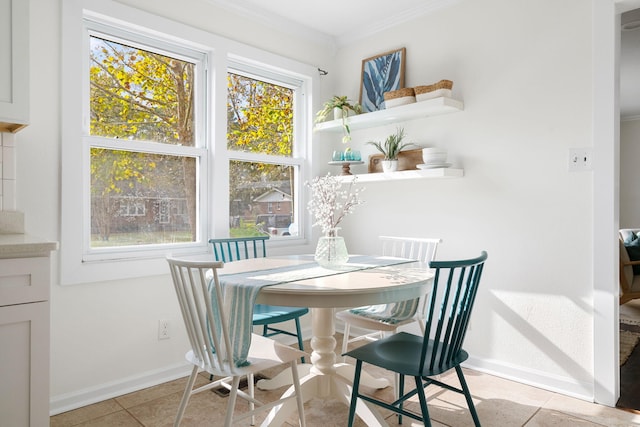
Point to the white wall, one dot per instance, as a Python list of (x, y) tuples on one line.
[(525, 81), (629, 173)]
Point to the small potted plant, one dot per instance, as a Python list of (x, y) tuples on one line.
[(340, 106), (391, 147)]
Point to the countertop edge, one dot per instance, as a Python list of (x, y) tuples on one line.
[(25, 246)]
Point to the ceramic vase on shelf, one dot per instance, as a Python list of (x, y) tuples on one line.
[(339, 113), (331, 251), (389, 165)]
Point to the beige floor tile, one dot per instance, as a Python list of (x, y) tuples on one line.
[(116, 419), (152, 393), (331, 413), (499, 402), (203, 409), (595, 413), (86, 413), (491, 412), (550, 418), (485, 387)]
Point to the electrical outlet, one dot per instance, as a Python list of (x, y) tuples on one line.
[(163, 330), (580, 159)]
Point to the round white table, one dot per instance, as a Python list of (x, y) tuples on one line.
[(327, 379)]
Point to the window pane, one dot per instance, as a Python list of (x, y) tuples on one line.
[(137, 94), (254, 189), (259, 116), (141, 198)]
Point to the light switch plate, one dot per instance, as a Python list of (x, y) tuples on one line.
[(580, 159)]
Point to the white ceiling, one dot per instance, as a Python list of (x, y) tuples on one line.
[(338, 22), (335, 21)]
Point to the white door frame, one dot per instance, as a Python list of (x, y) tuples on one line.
[(606, 196)]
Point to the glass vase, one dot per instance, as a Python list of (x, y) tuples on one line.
[(331, 251)]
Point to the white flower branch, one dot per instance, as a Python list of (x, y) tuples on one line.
[(330, 202)]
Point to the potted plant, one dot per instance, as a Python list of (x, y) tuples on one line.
[(340, 106), (391, 147)]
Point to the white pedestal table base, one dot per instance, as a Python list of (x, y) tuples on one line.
[(324, 379)]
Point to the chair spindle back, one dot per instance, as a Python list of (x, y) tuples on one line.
[(450, 303), (206, 322), (237, 248), (421, 249)]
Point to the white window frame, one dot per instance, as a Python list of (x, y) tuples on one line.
[(75, 266), (199, 151), (299, 149)]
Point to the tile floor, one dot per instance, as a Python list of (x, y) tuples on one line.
[(499, 402)]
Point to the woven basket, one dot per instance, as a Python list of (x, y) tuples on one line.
[(399, 97), (442, 84), (400, 93), (442, 88)]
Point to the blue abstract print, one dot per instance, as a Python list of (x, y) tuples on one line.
[(379, 75)]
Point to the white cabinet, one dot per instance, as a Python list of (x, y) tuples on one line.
[(24, 364), (14, 65), (25, 280)]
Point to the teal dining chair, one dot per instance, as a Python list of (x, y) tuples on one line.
[(450, 302), (238, 248)]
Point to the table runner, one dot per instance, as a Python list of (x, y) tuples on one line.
[(240, 290)]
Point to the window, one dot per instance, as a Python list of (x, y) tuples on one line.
[(149, 164), (260, 127), (129, 206), (141, 100)]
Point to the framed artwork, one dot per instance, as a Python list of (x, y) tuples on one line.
[(381, 73)]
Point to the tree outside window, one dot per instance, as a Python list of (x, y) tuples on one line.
[(141, 102)]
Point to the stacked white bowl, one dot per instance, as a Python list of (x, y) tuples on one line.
[(434, 156)]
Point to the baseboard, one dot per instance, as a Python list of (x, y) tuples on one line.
[(543, 380), (555, 383), (69, 401), (558, 384)]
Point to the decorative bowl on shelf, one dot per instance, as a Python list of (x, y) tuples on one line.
[(434, 155)]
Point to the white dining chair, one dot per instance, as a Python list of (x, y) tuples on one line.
[(200, 298), (382, 319)]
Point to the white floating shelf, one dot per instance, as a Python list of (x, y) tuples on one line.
[(408, 174), (430, 107)]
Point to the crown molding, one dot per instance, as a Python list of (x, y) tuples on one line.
[(273, 20), (391, 21)]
